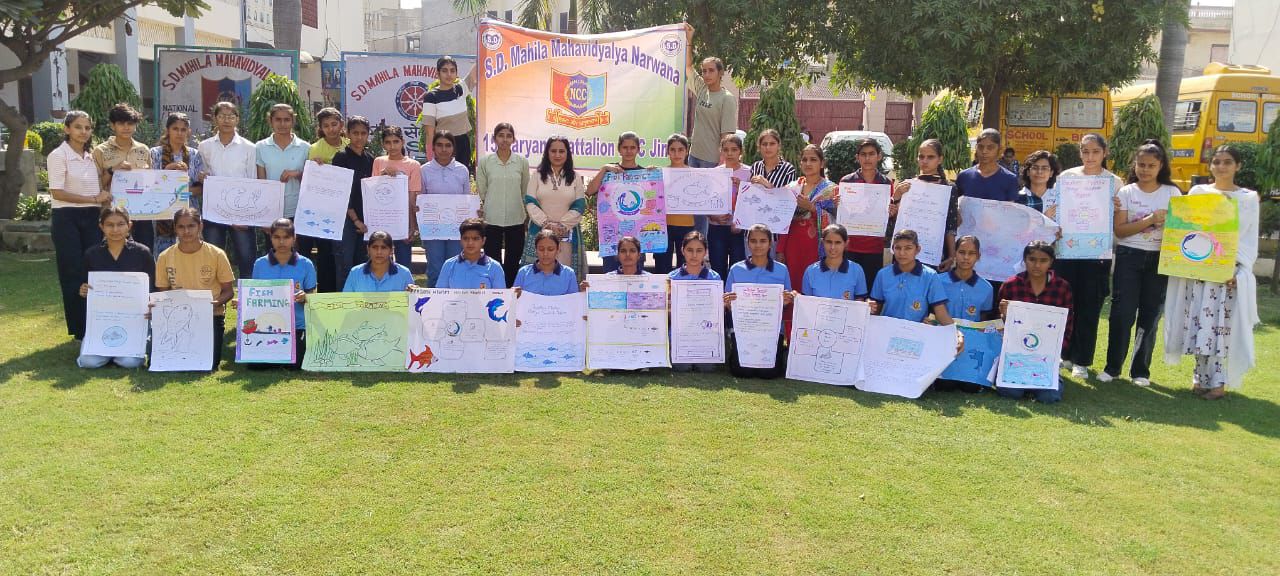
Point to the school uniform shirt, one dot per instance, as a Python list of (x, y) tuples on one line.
[(362, 165), (299, 269), (275, 160), (907, 295), (784, 173), (501, 186), (562, 280), (361, 279), (682, 273), (74, 173), (108, 155), (204, 269), (322, 150), (847, 282), (618, 272), (446, 110), (235, 159), (1139, 205), (714, 114), (865, 244), (458, 272), (451, 179), (745, 272), (1003, 185), (967, 299), (134, 257)]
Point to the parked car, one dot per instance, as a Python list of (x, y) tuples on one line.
[(885, 143)]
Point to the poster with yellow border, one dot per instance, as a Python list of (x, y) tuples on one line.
[(1200, 237)]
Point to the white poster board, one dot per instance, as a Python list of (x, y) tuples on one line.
[(826, 340), (322, 200), (551, 335), (698, 190), (440, 215), (1032, 346), (182, 331), (902, 358), (1004, 229), (1086, 214), (757, 321), (386, 205), (697, 322), (266, 321), (772, 207), (116, 315), (924, 210), (243, 201), (627, 322), (863, 208), (461, 331), (151, 194)]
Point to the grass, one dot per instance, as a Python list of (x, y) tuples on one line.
[(112, 472)]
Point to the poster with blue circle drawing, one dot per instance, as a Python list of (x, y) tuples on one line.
[(632, 204), (1032, 345)]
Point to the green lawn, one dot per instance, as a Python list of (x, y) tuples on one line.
[(111, 472)]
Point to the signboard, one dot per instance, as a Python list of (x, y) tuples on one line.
[(191, 79), (389, 89)]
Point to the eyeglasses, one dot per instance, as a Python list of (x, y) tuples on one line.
[(226, 116), (1041, 168)]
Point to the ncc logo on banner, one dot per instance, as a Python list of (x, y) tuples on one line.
[(409, 99), (581, 96)]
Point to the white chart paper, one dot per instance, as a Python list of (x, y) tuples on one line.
[(924, 210), (757, 321), (1032, 347), (182, 331), (552, 333), (772, 207), (439, 215), (864, 208), (698, 190), (461, 331), (243, 201), (1085, 212), (116, 322), (151, 194), (386, 205), (902, 358), (1004, 228), (322, 200), (697, 322), (826, 340), (627, 322)]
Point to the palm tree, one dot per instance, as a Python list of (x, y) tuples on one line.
[(286, 16), (1173, 52)]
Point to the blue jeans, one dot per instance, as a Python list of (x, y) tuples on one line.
[(1041, 396), (726, 248), (701, 223), (244, 244), (353, 252), (437, 252)]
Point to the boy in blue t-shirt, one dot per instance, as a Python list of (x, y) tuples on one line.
[(472, 268), (907, 289), (988, 179), (969, 296)]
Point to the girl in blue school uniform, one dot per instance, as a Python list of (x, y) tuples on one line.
[(835, 276), (547, 276), (907, 289), (380, 273), (693, 247), (969, 296), (758, 268), (285, 263), (630, 259), (471, 269)]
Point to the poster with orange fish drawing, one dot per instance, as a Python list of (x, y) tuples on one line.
[(461, 331)]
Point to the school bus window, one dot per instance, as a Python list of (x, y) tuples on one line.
[(1269, 112), (1186, 115), (1029, 112), (1081, 112), (1237, 116)]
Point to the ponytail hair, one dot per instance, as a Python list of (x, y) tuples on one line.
[(1152, 147)]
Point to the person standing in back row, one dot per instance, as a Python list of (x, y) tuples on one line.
[(988, 179), (445, 108), (715, 115)]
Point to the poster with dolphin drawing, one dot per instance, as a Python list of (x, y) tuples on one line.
[(461, 331), (243, 201)]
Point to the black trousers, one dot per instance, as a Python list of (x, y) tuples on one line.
[(462, 151), (1137, 294), (74, 230), (1090, 282), (219, 340), (738, 370), (327, 254), (506, 245), (870, 263)]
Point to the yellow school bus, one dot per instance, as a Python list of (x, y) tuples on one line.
[(1030, 123), (1230, 103)]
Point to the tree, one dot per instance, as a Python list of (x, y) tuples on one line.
[(286, 24), (1136, 122), (1173, 54), (107, 86), (776, 110), (32, 29), (943, 120), (276, 89), (1029, 46)]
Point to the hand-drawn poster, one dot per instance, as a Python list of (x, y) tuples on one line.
[(982, 344), (772, 207), (863, 208), (461, 331), (632, 204), (116, 320), (1085, 213), (386, 205), (265, 322), (697, 322), (243, 201), (1201, 235), (1004, 228), (1032, 345), (826, 340), (902, 358), (322, 200), (182, 331), (356, 332), (757, 321), (551, 335), (439, 215), (924, 210), (627, 322), (151, 194), (698, 190)]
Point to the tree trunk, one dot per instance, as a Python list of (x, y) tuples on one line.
[(1173, 52), (991, 95), (11, 184), (286, 24)]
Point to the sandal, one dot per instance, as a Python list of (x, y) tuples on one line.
[(1215, 393)]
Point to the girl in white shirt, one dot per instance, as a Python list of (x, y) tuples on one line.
[(78, 198)]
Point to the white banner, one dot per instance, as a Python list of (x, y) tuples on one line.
[(551, 335), (192, 80), (461, 331), (389, 88), (245, 201)]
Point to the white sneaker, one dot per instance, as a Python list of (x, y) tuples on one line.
[(1143, 382), (1104, 377), (1079, 372), (1067, 365)]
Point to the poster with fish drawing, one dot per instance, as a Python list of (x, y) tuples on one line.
[(322, 200), (551, 334), (386, 205), (265, 322), (1085, 214), (772, 207), (1032, 345), (356, 332), (439, 215), (698, 190), (1201, 234), (243, 201), (632, 204), (1004, 229), (182, 331), (461, 331), (151, 194)]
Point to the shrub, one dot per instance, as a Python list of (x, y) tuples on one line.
[(107, 86), (33, 209), (274, 90), (34, 142), (1136, 122), (42, 180), (1068, 154), (777, 110), (944, 120), (51, 135), (842, 158)]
